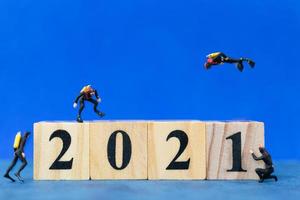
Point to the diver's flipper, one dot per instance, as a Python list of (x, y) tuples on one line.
[(19, 177), (10, 178), (251, 63), (79, 119), (101, 114), (240, 66)]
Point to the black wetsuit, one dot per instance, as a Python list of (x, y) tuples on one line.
[(87, 96), (222, 58), (266, 172), (18, 155)]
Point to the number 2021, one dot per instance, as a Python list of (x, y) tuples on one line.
[(127, 151)]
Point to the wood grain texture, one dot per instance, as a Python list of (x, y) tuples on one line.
[(46, 152), (161, 152), (219, 150), (100, 167)]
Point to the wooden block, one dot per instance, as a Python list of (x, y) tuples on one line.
[(176, 150), (228, 145), (118, 150), (61, 151)]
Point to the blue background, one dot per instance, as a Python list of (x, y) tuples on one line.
[(146, 60)]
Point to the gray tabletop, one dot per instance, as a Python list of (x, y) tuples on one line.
[(288, 187)]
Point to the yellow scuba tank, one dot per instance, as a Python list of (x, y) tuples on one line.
[(17, 140), (213, 55)]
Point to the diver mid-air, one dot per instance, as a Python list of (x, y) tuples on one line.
[(219, 58)]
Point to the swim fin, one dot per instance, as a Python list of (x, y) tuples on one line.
[(240, 66), (8, 177)]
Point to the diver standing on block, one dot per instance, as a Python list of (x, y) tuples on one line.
[(19, 154), (266, 172), (219, 58), (86, 94)]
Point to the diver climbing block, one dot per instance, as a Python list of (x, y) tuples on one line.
[(61, 151), (176, 150), (118, 150), (228, 146)]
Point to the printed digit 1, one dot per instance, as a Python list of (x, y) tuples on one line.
[(236, 153)]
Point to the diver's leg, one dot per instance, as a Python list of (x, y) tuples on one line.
[(95, 102), (268, 175), (231, 60), (13, 163), (24, 163), (260, 174), (274, 177), (249, 61), (265, 173), (238, 62), (11, 166), (81, 107)]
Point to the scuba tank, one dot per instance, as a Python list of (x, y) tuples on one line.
[(86, 89), (213, 55), (17, 140)]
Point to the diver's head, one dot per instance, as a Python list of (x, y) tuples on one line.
[(261, 149), (209, 62), (207, 65)]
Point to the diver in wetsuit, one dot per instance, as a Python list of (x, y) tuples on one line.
[(266, 172), (86, 94), (18, 155), (218, 58)]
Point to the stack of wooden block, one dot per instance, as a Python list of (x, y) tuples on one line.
[(146, 150)]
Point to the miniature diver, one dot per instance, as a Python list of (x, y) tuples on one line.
[(19, 145), (86, 94), (218, 58), (266, 157)]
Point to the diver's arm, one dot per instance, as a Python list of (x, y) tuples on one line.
[(257, 158), (78, 97), (23, 142), (96, 94), (222, 55)]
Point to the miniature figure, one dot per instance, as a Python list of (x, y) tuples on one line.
[(218, 58), (19, 145), (266, 157), (86, 94)]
